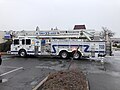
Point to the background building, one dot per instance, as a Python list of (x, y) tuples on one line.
[(2, 34)]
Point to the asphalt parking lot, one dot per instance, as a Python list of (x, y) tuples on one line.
[(25, 73)]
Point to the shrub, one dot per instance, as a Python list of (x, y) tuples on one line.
[(4, 47)]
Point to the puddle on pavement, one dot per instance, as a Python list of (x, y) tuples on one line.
[(115, 74), (54, 65), (50, 63), (5, 58), (33, 83), (58, 67)]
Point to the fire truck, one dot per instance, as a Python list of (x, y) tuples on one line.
[(67, 43)]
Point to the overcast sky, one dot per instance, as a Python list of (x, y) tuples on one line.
[(27, 14)]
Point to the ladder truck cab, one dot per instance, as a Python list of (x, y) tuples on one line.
[(66, 44)]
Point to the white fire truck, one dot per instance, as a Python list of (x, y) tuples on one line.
[(72, 43)]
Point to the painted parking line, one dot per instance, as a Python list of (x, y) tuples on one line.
[(11, 71)]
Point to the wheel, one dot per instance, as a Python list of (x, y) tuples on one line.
[(76, 55), (22, 53), (64, 54)]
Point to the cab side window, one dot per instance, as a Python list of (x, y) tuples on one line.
[(16, 41), (23, 41), (28, 41)]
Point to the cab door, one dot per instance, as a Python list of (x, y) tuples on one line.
[(15, 46), (37, 47)]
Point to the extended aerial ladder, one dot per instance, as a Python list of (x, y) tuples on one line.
[(66, 34)]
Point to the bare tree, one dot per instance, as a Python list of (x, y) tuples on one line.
[(105, 32)]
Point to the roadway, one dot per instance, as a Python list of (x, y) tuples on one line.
[(25, 73)]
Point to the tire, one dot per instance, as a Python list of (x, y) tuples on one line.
[(76, 55), (64, 54), (22, 53)]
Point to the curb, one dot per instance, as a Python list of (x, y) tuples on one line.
[(88, 87), (41, 83)]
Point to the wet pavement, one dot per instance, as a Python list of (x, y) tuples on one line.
[(25, 73)]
